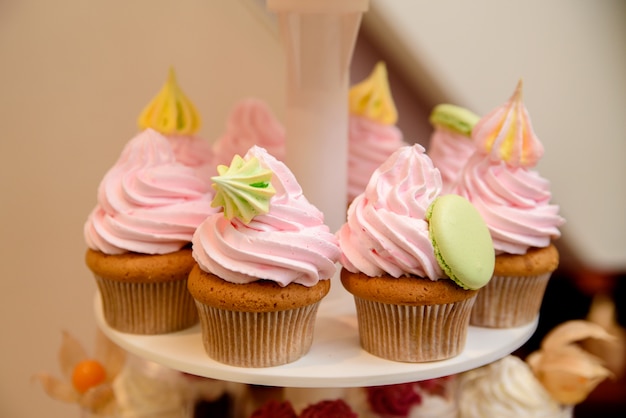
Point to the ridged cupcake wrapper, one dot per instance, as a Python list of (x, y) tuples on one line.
[(147, 308), (413, 333), (509, 302), (257, 339)]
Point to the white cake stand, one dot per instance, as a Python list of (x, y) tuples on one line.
[(319, 37), (335, 359)]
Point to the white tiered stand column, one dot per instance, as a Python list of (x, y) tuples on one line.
[(319, 37)]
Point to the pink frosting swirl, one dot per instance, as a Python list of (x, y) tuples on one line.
[(514, 202), (251, 122), (148, 202), (449, 152), (370, 144), (386, 230), (513, 199), (289, 244)]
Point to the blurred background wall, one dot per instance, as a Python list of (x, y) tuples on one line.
[(74, 76)]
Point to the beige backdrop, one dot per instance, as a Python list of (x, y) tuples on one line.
[(74, 75)]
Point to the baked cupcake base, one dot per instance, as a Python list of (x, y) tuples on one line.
[(259, 324), (145, 294), (410, 319), (513, 296), (509, 302)]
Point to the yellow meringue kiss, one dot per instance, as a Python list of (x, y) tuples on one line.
[(372, 99), (170, 112)]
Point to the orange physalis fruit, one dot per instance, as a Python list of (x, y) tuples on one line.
[(87, 374)]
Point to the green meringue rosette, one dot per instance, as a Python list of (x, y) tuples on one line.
[(243, 189)]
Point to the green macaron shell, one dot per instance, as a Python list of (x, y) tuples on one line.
[(455, 118), (462, 242)]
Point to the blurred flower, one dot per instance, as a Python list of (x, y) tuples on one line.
[(87, 381), (568, 372)]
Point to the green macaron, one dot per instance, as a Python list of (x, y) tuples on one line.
[(454, 118), (462, 242)]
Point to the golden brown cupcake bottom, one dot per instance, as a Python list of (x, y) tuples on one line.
[(410, 319), (259, 324), (513, 296), (144, 294)]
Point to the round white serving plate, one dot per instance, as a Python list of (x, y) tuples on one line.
[(335, 359)]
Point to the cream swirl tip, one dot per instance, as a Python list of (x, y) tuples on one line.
[(386, 230), (148, 202)]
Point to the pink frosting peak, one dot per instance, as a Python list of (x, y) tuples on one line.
[(251, 122), (148, 202), (513, 199), (289, 244), (506, 134), (386, 230), (370, 144)]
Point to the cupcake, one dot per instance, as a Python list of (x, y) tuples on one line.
[(372, 135), (548, 384), (139, 235), (413, 260), (251, 122), (172, 114), (263, 265), (450, 143), (514, 200)]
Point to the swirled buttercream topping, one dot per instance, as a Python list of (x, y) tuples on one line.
[(371, 98), (506, 134), (171, 111), (288, 244), (505, 388), (514, 202), (369, 145), (251, 122), (148, 202), (386, 230), (243, 189), (513, 199)]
